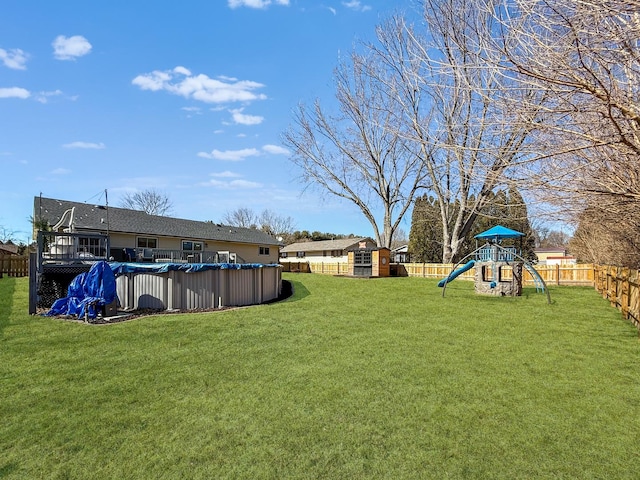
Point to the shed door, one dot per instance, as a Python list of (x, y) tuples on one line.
[(362, 263)]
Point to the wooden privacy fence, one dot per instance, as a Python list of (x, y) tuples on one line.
[(621, 286), (296, 267), (576, 275), (581, 274), (327, 268), (14, 265)]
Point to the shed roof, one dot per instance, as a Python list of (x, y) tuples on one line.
[(100, 218)]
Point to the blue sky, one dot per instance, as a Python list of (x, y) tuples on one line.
[(189, 98)]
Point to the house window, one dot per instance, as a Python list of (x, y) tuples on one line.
[(336, 253), (284, 254), (264, 250), (192, 246), (90, 245), (300, 254), (146, 242)]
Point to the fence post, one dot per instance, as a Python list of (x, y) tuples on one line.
[(33, 283)]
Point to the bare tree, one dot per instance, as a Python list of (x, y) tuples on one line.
[(268, 221), (547, 237), (585, 56), (361, 153), (400, 238), (276, 225), (241, 217), (608, 237), (7, 235), (150, 201), (459, 110)]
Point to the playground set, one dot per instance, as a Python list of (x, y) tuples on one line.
[(498, 269)]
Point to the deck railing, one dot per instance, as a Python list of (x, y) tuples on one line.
[(56, 248), (69, 248), (163, 255), (494, 254)]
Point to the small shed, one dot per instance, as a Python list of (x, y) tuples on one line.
[(369, 262)]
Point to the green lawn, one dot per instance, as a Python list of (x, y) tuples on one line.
[(350, 378)]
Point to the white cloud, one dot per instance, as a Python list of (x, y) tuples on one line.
[(180, 81), (226, 174), (43, 97), (70, 48), (275, 150), (242, 119), (153, 81), (244, 184), (255, 3), (230, 155), (61, 171), (14, 58), (85, 145), (233, 184), (14, 92), (356, 5), (191, 111), (182, 71), (239, 155)]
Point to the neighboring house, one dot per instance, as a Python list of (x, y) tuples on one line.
[(8, 248), (137, 236), (326, 251), (401, 254), (554, 256)]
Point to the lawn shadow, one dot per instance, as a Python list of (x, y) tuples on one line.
[(7, 469), (7, 289), (297, 291)]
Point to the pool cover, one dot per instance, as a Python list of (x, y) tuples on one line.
[(122, 268)]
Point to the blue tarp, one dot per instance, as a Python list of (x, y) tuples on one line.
[(87, 292)]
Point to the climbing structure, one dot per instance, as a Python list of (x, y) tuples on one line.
[(498, 269)]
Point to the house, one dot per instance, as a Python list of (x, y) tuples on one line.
[(401, 254), (89, 231), (324, 251), (554, 256), (8, 248)]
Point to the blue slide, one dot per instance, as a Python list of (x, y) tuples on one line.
[(452, 276)]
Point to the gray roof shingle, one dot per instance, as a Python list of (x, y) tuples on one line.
[(339, 244), (98, 218), (9, 248)]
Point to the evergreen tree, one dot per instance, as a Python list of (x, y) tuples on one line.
[(503, 207), (425, 236)]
